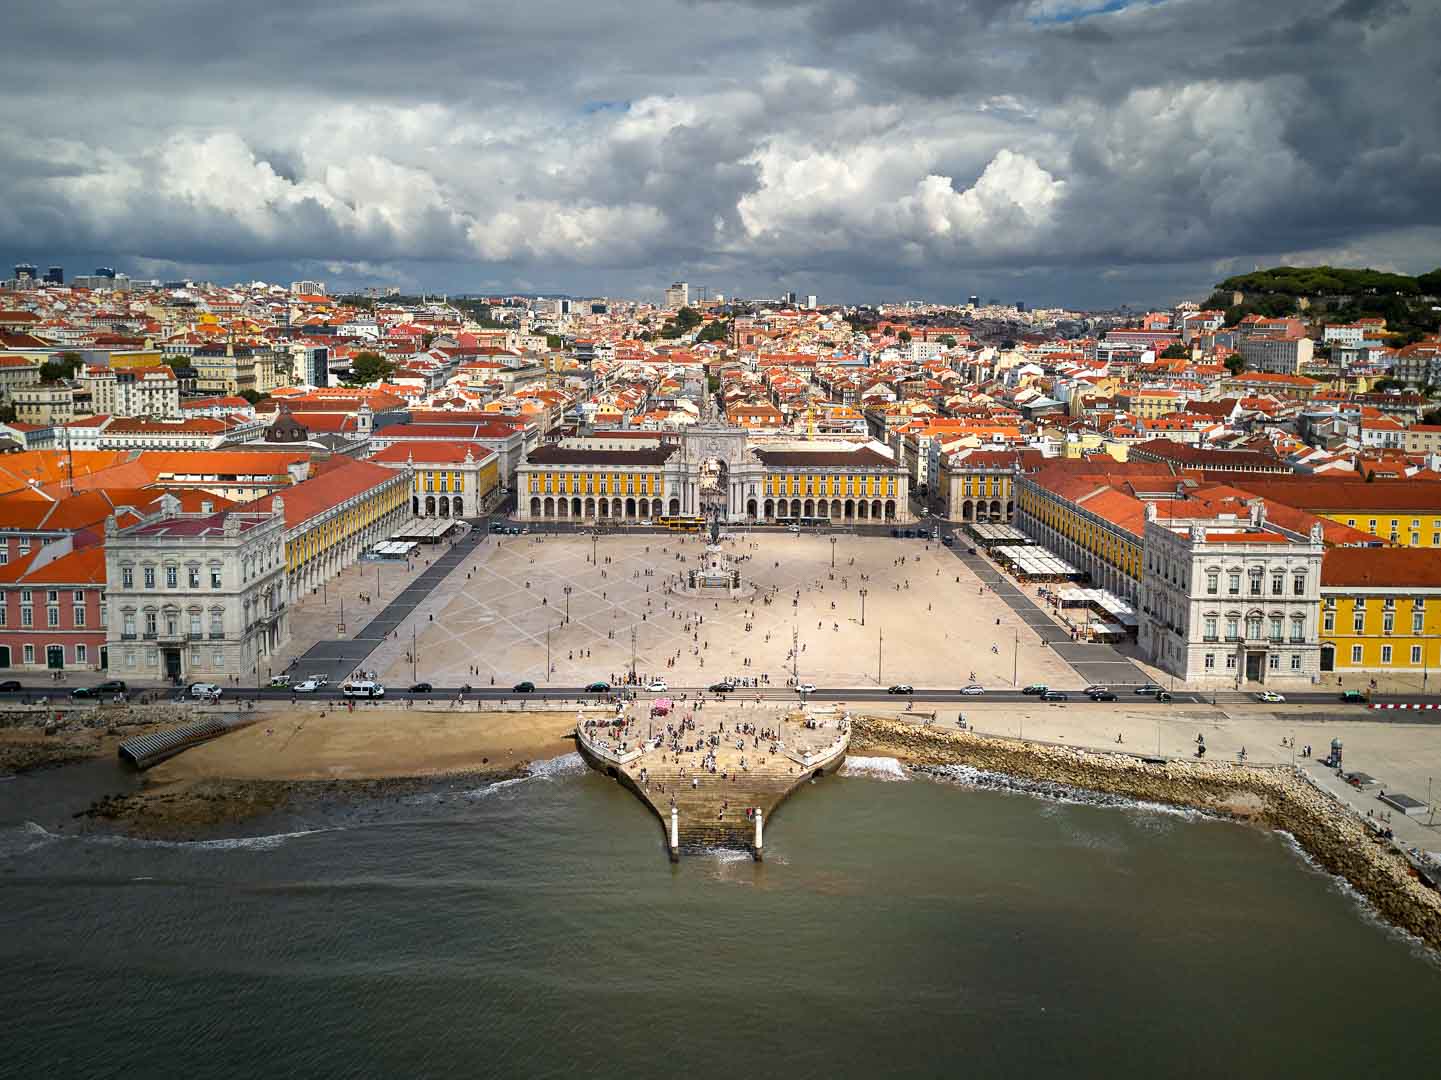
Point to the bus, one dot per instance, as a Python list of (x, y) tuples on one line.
[(683, 524)]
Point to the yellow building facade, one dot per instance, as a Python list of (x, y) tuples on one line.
[(1380, 632), (1085, 536)]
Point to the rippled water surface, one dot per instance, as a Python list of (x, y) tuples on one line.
[(914, 927)]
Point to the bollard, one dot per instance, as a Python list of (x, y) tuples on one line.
[(759, 836), (674, 835)]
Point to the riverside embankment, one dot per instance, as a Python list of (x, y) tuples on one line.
[(1276, 797)]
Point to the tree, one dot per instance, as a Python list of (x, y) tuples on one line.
[(1388, 384), (948, 341), (1177, 350), (904, 337), (60, 366), (1432, 417), (174, 362), (7, 414), (367, 367), (1430, 283), (252, 396), (554, 341), (715, 331), (1236, 364), (426, 339)]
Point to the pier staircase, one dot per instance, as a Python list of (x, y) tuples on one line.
[(713, 811)]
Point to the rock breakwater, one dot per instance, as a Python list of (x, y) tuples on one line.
[(1275, 797)]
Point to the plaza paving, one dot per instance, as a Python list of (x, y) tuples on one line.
[(927, 622)]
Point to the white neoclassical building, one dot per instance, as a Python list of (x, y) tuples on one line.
[(1231, 600), (195, 596)]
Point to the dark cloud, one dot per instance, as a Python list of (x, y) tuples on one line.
[(916, 147)]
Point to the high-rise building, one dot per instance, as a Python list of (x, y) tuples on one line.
[(811, 301), (973, 302), (307, 288), (26, 272), (55, 275), (105, 272), (677, 296)]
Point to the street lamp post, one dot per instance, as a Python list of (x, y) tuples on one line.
[(863, 593), (632, 655), (833, 552), (566, 590), (594, 539)]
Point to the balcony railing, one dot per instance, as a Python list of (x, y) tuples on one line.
[(217, 637), (127, 637), (151, 635)]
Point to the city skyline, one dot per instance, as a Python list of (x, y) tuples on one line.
[(1065, 154)]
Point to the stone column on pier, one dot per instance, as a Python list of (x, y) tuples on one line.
[(674, 834), (759, 836)]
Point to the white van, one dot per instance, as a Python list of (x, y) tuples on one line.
[(364, 688)]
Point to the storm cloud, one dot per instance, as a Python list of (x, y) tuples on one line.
[(1058, 151)]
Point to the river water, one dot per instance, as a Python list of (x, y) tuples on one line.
[(535, 928)]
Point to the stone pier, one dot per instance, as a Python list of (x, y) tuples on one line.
[(687, 767)]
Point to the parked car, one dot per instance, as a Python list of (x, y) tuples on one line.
[(721, 688), (647, 522), (601, 687), (113, 686), (1055, 695), (909, 534), (901, 688), (794, 528), (973, 689), (206, 691), (1036, 688), (10, 684), (658, 686), (1149, 688), (1095, 688), (280, 680), (805, 688), (1101, 695), (307, 686), (421, 688), (1353, 697), (1270, 697), (1164, 697), (523, 687), (948, 540)]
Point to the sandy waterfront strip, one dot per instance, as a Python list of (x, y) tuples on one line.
[(373, 744)]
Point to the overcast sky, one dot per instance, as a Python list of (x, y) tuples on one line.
[(1058, 151)]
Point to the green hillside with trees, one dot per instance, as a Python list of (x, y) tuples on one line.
[(1336, 295)]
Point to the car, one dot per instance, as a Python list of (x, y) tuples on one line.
[(970, 551), (204, 690), (1101, 695), (10, 684), (1036, 688), (805, 688), (1353, 697), (646, 522), (280, 680), (721, 688), (113, 686), (1164, 697), (948, 540), (421, 688), (658, 686), (1149, 688), (909, 534), (1095, 688), (1055, 695), (307, 686), (525, 687), (924, 512), (901, 688), (1269, 696), (896, 532), (974, 689), (794, 528), (601, 687)]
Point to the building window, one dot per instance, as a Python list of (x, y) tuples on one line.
[(1295, 661), (1210, 661), (1233, 627), (1275, 628), (192, 574), (1415, 654), (1278, 585), (1231, 661), (1233, 583), (30, 654), (77, 615), (1388, 621), (150, 629), (1256, 576), (1298, 585), (1385, 654), (1298, 628), (129, 624), (1210, 628), (1253, 627), (52, 617), (27, 616), (195, 624), (150, 577), (127, 577), (1213, 583), (1355, 654), (82, 654), (217, 626), (215, 577), (1274, 661), (1358, 620), (217, 658), (130, 658)]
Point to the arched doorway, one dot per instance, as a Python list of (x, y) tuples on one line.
[(415, 505), (715, 485), (590, 508), (890, 510), (1328, 657), (430, 506), (630, 508), (457, 506), (674, 507), (445, 506), (750, 508), (770, 508)]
